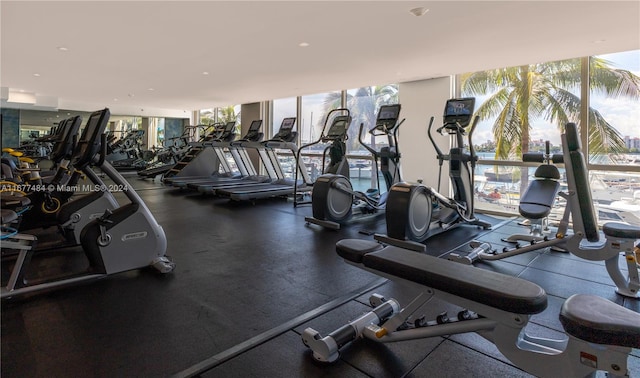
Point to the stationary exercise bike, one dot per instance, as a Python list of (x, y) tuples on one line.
[(416, 212), (125, 238), (333, 199)]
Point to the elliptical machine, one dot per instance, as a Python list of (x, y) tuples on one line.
[(336, 149), (333, 199), (416, 212)]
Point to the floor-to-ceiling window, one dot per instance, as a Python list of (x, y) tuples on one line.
[(313, 122), (315, 109), (613, 135), (156, 135), (207, 116), (522, 107), (229, 113), (364, 104)]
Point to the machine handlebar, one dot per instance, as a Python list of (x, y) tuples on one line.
[(387, 131), (453, 129), (103, 150), (543, 157)]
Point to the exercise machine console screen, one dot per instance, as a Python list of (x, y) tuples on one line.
[(339, 127), (229, 127), (287, 123), (255, 126), (387, 117), (459, 111)]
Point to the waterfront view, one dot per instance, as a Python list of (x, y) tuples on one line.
[(616, 194)]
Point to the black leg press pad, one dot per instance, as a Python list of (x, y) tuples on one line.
[(493, 289)]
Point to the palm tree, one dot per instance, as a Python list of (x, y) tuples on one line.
[(521, 94), (363, 106), (227, 114)]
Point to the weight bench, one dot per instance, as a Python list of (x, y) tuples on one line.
[(599, 334), (587, 241), (539, 197)]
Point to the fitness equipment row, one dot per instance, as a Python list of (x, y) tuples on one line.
[(210, 172), (114, 240), (333, 199), (416, 212)]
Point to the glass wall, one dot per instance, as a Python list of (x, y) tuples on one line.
[(207, 116), (220, 115), (315, 109), (364, 104), (614, 136), (156, 135), (614, 122), (522, 107)]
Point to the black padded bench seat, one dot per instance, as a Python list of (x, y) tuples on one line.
[(621, 230), (489, 288), (597, 320), (538, 199)]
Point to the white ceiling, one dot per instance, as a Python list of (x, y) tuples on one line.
[(121, 49)]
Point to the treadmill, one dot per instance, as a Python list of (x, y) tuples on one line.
[(248, 173), (267, 156), (281, 186), (210, 162)]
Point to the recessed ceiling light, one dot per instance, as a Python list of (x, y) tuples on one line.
[(599, 41), (115, 99), (420, 11), (62, 48), (150, 89), (304, 44), (131, 95), (205, 73), (36, 74)]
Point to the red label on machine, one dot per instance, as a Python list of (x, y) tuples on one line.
[(589, 360)]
